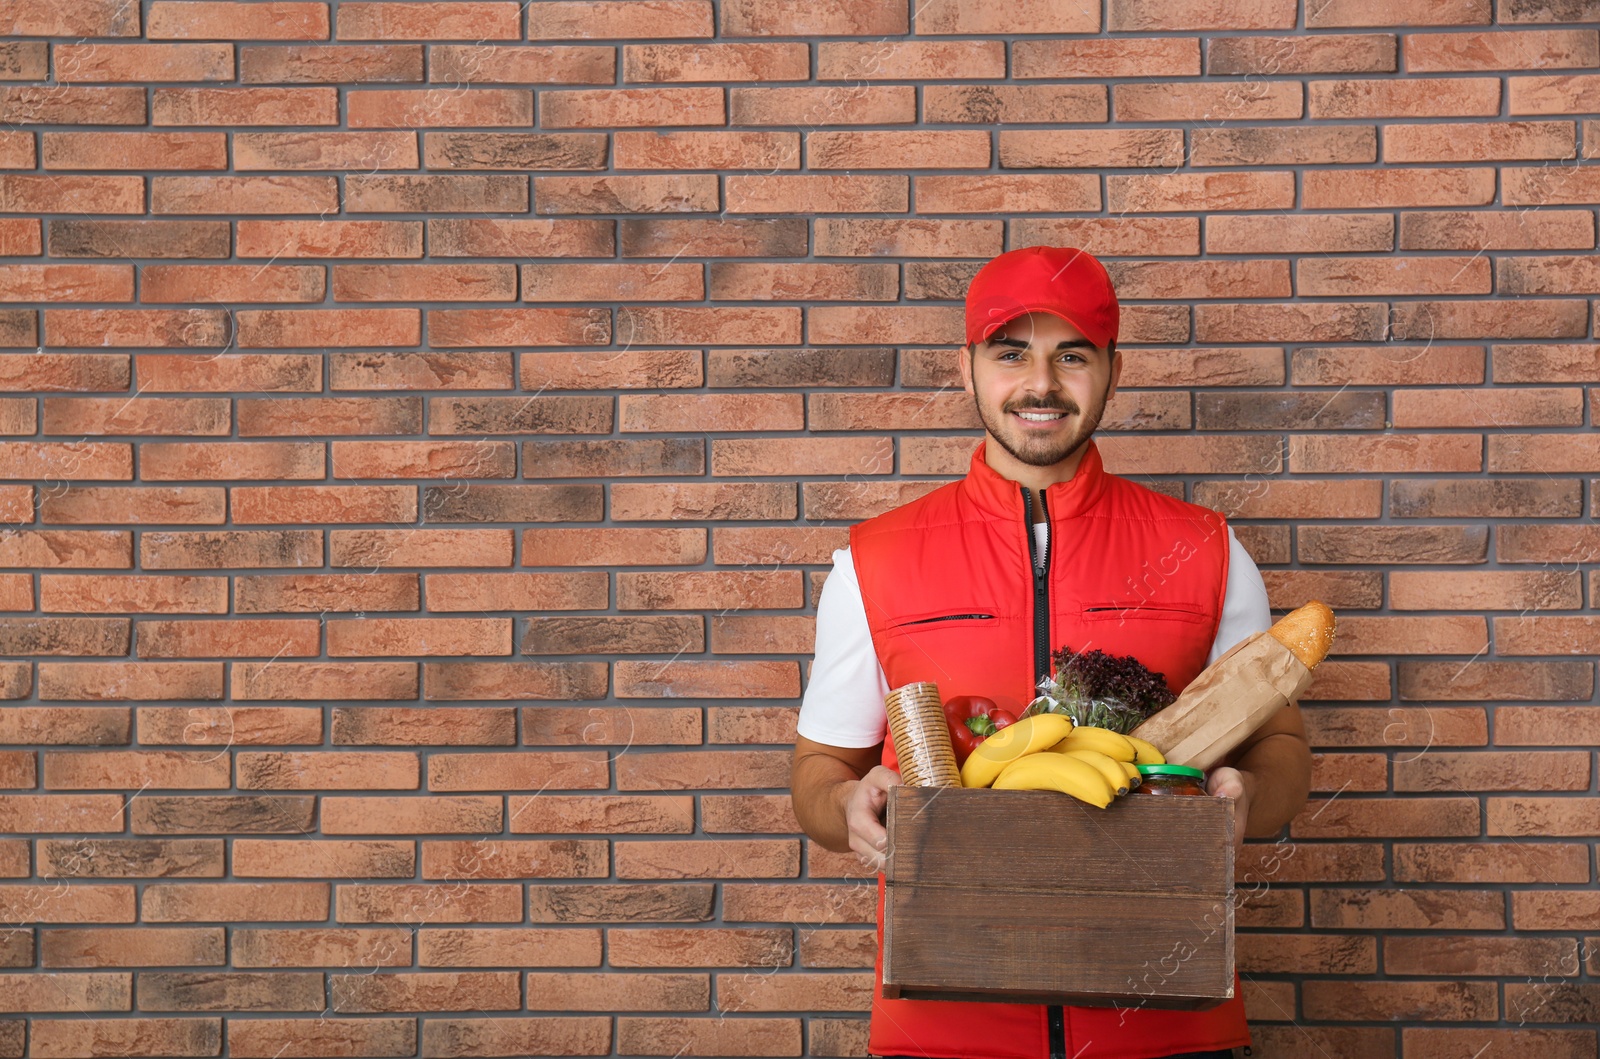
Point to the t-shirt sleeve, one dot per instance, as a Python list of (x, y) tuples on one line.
[(843, 703), (1245, 611)]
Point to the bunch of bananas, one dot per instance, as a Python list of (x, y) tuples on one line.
[(1046, 752)]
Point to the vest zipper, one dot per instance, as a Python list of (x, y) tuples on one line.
[(1041, 667), (1041, 586)]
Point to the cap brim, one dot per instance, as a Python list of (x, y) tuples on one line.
[(1099, 338)]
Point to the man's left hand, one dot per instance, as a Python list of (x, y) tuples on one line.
[(1227, 782)]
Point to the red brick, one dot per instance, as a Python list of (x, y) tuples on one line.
[(481, 20), (59, 1039), (568, 770), (324, 680), (518, 591), (1337, 13), (1327, 53), (1461, 634), (1497, 681), (187, 461), (1101, 57), (63, 548), (1543, 453), (429, 815), (1032, 16), (707, 150), (1544, 186), (324, 858), (445, 681), (1438, 1043), (516, 1035), (1419, 727), (278, 328), (241, 725), (58, 903), (719, 590), (988, 104), (1545, 635), (1503, 591), (841, 237), (724, 62), (1278, 498), (136, 327), (136, 415), (1415, 97), (1440, 1000), (433, 991), (333, 592), (185, 373), (76, 194), (1492, 230), (272, 504), (789, 18), (674, 193), (325, 150), (497, 237), (522, 327), (329, 238), (1555, 94), (137, 62), (60, 725), (411, 726), (1494, 862), (823, 281), (1548, 817), (1504, 141), (435, 192), (132, 947), (1407, 909), (419, 636), (899, 60), (130, 680), (1212, 102), (244, 106), (501, 947), (331, 63), (1365, 188), (278, 20), (1350, 817), (320, 1037), (1520, 49), (517, 859), (703, 769), (1146, 15), (135, 150), (1464, 498), (1506, 408), (520, 415), (713, 325), (439, 108), (638, 1035), (228, 639), (72, 105), (493, 150), (1323, 862), (1369, 277), (1322, 145), (1393, 366), (1547, 275), (1090, 149), (856, 104), (632, 106), (594, 726), (517, 64), (462, 902), (227, 283), (423, 459), (669, 412), (1199, 191), (614, 547), (1316, 954), (921, 149), (242, 194), (610, 19), (230, 991), (318, 946), (1543, 544), (34, 813), (222, 549), (1494, 771), (135, 768), (1354, 772), (1311, 322), (327, 771), (230, 901), (751, 814), (1311, 453)]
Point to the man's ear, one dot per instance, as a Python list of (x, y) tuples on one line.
[(1116, 369), (965, 355)]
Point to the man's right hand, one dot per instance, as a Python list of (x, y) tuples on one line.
[(865, 802)]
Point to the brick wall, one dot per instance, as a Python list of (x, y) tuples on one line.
[(423, 456)]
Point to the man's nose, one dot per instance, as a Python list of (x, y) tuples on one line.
[(1041, 377)]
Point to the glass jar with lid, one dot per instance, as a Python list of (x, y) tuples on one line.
[(1170, 779)]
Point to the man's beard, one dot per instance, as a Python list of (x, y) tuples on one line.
[(1043, 452)]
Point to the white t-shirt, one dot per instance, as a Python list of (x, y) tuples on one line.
[(843, 703)]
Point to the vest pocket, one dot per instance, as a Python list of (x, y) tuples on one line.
[(1144, 610)]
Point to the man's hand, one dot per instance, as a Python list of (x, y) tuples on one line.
[(1231, 783), (865, 802)]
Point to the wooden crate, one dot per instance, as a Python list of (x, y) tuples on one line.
[(1035, 897)]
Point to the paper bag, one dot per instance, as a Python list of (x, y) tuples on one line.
[(1223, 705)]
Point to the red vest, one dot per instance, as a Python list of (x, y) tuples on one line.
[(950, 596)]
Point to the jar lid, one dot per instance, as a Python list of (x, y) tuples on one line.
[(1170, 770)]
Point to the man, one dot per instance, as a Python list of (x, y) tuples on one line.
[(974, 585)]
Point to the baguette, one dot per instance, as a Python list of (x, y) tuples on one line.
[(1306, 632)]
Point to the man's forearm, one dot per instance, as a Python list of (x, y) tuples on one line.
[(1277, 777), (819, 788)]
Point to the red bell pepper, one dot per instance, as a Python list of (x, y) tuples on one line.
[(973, 719)]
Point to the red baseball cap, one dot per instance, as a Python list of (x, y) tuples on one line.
[(1061, 280)]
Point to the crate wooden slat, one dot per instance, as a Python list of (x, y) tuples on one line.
[(1035, 897)]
